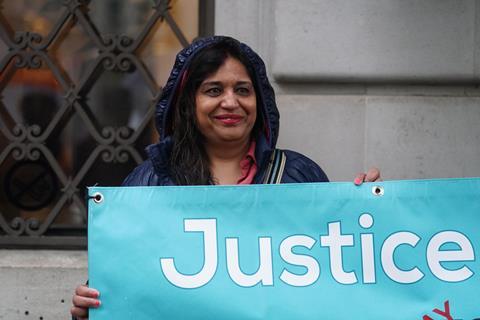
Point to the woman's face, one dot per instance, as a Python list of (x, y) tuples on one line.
[(226, 105)]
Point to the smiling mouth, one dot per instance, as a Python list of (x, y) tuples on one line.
[(229, 119)]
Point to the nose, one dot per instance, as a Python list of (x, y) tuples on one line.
[(229, 100)]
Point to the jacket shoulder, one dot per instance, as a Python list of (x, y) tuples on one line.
[(142, 175), (300, 168)]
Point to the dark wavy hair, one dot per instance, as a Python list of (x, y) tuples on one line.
[(189, 163)]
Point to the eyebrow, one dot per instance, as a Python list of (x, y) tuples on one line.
[(218, 83)]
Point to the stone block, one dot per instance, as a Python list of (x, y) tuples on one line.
[(423, 137), (376, 41), (238, 19), (328, 129), (39, 284)]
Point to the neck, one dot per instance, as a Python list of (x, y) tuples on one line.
[(225, 160)]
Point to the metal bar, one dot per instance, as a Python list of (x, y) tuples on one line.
[(176, 29), (6, 119), (57, 72), (64, 112), (44, 242), (147, 76), (25, 141), (206, 15), (7, 69), (89, 27), (6, 31), (146, 120), (64, 18), (161, 8)]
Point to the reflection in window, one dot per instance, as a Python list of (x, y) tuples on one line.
[(69, 105)]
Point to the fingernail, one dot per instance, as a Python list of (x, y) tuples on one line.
[(95, 293), (357, 181), (97, 303)]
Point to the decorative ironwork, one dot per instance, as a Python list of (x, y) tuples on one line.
[(27, 144)]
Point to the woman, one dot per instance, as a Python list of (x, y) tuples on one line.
[(218, 124)]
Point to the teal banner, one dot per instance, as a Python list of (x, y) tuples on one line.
[(388, 250)]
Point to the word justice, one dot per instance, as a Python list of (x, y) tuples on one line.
[(334, 241)]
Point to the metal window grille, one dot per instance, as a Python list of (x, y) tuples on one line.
[(62, 129)]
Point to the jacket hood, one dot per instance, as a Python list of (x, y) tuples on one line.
[(267, 108)]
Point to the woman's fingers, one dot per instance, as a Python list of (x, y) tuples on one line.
[(84, 291), (83, 299), (359, 178), (84, 302), (372, 175)]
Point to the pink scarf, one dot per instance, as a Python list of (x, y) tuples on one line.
[(248, 165)]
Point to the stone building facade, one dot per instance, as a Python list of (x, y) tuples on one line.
[(387, 83)]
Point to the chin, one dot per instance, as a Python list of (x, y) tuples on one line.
[(233, 135), (232, 138)]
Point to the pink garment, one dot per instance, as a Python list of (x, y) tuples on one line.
[(248, 165)]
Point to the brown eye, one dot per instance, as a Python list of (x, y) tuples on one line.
[(244, 91), (213, 92)]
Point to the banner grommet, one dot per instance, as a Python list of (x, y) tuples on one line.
[(378, 191), (97, 197)]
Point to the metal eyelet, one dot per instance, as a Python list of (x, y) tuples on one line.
[(97, 197), (378, 191)]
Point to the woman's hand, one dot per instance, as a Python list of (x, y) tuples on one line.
[(372, 175), (83, 299)]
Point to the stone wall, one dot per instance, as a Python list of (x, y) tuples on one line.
[(368, 82), (371, 82), (38, 284)]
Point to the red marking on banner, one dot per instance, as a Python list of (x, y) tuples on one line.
[(445, 314)]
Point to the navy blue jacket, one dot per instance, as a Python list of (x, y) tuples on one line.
[(154, 171)]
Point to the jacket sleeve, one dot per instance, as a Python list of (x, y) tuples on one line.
[(143, 175), (300, 168)]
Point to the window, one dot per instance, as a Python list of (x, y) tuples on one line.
[(79, 81)]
